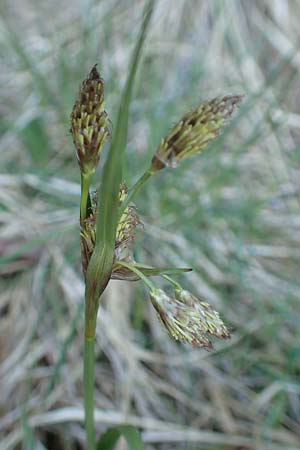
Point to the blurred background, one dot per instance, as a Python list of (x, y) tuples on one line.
[(233, 214)]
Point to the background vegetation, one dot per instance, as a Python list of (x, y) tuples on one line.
[(233, 214)]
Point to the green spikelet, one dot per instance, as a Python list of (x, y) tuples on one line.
[(187, 319), (212, 323), (195, 131)]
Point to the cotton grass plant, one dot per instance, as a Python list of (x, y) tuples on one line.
[(109, 218)]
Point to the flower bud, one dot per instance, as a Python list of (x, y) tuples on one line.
[(188, 320), (89, 122), (194, 132)]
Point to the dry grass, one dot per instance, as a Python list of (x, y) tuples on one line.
[(233, 214)]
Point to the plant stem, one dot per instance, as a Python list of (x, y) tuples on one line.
[(92, 297), (177, 285), (140, 274), (89, 376), (135, 189), (85, 185)]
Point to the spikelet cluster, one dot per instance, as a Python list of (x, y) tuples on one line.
[(89, 123), (125, 235), (127, 225), (187, 319), (194, 132)]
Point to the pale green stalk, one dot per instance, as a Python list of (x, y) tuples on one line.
[(177, 285), (140, 274), (135, 189), (89, 377)]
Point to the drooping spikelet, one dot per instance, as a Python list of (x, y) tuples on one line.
[(187, 319), (194, 132), (89, 122), (211, 318)]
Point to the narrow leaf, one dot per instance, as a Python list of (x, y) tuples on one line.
[(109, 440), (160, 269), (107, 217), (40, 81), (164, 270), (112, 171), (152, 271)]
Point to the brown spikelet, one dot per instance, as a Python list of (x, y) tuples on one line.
[(89, 122), (125, 235)]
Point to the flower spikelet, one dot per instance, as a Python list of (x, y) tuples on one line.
[(211, 320), (127, 225), (88, 236), (188, 320), (89, 122), (125, 235), (195, 131)]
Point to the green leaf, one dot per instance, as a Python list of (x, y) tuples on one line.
[(101, 262), (40, 81), (112, 172), (35, 139), (29, 439), (161, 270), (109, 440), (64, 348), (152, 271)]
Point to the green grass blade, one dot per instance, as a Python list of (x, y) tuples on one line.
[(152, 271), (35, 139), (100, 265), (29, 439), (63, 351), (112, 172), (110, 439), (41, 84)]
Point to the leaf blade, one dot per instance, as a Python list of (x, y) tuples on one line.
[(100, 265), (153, 271), (110, 438), (112, 171)]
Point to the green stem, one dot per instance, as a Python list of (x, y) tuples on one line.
[(91, 309), (140, 274), (89, 376), (166, 277), (92, 296), (85, 186), (135, 189)]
